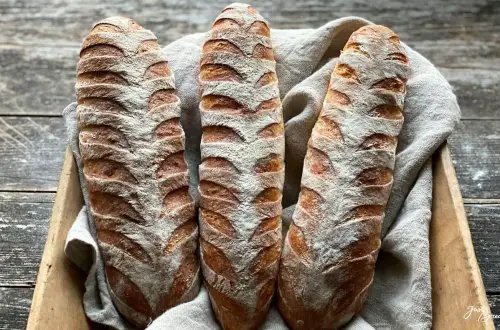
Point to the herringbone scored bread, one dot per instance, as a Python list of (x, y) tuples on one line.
[(132, 145), (331, 247), (242, 169)]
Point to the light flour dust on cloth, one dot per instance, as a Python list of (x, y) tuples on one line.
[(400, 296)]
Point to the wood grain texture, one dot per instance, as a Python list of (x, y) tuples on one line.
[(461, 38), (170, 18), (494, 300), (51, 72), (37, 80), (15, 304), (23, 230), (477, 91), (475, 146), (31, 151), (484, 223)]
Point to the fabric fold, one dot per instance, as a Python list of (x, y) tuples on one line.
[(400, 296)]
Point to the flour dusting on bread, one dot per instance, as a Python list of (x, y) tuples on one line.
[(242, 168), (332, 245), (132, 145)]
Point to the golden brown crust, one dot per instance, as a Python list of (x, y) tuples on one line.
[(242, 169), (330, 250), (132, 145)]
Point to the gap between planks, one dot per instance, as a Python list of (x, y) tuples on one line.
[(21, 191), (468, 201), (480, 119), (14, 114), (15, 286), (491, 201)]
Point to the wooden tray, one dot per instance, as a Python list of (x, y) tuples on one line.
[(456, 280)]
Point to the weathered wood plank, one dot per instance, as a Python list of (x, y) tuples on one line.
[(15, 304), (484, 223), (26, 197), (31, 155), (65, 22), (477, 91), (494, 300), (475, 148), (40, 80), (36, 80), (462, 38), (24, 219), (31, 151)]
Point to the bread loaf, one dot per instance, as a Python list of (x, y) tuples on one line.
[(132, 145), (242, 169), (331, 247)]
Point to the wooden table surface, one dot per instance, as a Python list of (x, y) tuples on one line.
[(39, 44)]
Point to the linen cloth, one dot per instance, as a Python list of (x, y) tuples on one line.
[(400, 296)]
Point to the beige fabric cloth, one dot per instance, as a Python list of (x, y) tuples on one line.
[(401, 293)]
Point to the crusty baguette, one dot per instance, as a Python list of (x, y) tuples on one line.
[(132, 145), (242, 169), (331, 247)]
